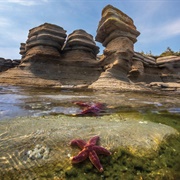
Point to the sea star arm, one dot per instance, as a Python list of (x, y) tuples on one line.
[(78, 142), (95, 161), (86, 110), (93, 140), (80, 157), (101, 150), (83, 104)]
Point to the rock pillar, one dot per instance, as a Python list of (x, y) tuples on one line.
[(22, 50), (117, 32)]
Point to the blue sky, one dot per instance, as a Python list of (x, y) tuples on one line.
[(157, 20)]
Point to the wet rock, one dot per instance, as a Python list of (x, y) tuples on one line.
[(166, 86), (139, 137)]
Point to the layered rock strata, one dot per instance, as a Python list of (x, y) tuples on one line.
[(46, 39), (161, 72), (117, 32), (22, 50), (6, 64), (140, 64), (79, 58), (80, 41), (50, 62)]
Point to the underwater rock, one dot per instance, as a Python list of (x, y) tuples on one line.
[(140, 138)]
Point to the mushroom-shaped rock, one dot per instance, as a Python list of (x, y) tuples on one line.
[(117, 32), (114, 23), (82, 42), (46, 39)]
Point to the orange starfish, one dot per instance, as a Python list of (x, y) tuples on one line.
[(91, 150)]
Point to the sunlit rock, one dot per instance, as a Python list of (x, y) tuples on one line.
[(80, 41), (46, 39), (117, 32)]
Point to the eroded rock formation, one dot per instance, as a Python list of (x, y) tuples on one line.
[(51, 60), (80, 43), (47, 60), (117, 32), (6, 64), (46, 39), (162, 72)]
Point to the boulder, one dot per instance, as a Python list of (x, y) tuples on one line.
[(141, 139), (137, 69)]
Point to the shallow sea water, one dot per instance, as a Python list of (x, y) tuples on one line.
[(32, 102), (18, 101)]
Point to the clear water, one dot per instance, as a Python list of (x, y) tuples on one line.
[(17, 101), (20, 102)]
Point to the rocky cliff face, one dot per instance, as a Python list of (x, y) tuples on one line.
[(162, 72), (50, 58)]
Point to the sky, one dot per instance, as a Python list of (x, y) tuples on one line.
[(158, 21)]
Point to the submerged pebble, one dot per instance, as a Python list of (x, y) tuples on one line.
[(39, 152)]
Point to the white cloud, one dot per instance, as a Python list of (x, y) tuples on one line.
[(173, 28), (27, 2), (161, 32), (149, 9)]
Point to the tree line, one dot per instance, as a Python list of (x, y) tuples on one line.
[(167, 52)]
